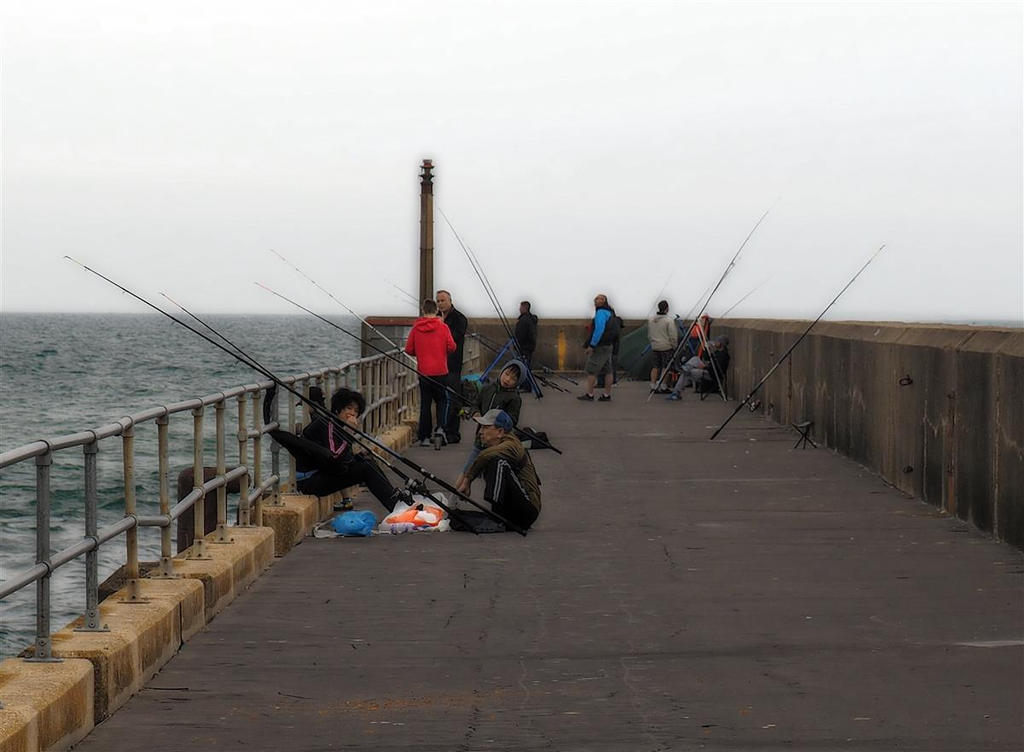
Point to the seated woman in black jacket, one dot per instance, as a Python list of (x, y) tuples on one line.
[(326, 460)]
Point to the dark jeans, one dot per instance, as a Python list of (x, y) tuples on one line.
[(432, 391), (527, 381), (507, 495), (364, 470), (451, 425)]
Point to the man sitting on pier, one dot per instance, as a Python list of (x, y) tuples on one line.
[(511, 484), (325, 460)]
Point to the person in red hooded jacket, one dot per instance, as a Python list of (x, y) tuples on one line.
[(430, 341)]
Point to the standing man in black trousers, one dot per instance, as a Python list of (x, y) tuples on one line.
[(457, 325), (526, 337)]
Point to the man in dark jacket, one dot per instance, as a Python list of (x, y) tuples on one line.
[(526, 337), (457, 325), (603, 333), (431, 344)]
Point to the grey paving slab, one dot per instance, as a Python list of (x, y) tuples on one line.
[(675, 594)]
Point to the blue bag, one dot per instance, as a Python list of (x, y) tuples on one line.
[(355, 523)]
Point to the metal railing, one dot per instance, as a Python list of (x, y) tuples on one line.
[(391, 394)]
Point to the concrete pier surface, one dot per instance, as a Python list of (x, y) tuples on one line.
[(675, 594)]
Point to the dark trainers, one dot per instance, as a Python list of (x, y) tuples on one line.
[(604, 398), (586, 397)]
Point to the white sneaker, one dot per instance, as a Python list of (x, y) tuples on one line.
[(424, 442)]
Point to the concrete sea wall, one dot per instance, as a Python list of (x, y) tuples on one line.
[(937, 411)]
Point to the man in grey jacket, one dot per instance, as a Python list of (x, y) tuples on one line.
[(664, 336)]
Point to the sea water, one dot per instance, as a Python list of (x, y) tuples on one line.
[(64, 373)]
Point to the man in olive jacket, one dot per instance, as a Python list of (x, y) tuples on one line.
[(511, 482)]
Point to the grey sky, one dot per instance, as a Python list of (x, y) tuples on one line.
[(580, 147)]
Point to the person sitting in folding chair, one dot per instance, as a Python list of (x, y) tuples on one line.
[(699, 373), (711, 379), (511, 484)]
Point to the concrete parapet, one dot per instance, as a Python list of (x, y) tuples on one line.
[(938, 411), (291, 521), (46, 706), (231, 567), (143, 635), (51, 706)]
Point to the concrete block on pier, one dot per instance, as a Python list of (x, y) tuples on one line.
[(291, 521), (231, 567), (46, 706), (142, 637)]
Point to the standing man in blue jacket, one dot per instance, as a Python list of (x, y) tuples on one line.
[(603, 331)]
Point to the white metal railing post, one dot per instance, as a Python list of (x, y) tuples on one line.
[(294, 428), (166, 568), (131, 536), (243, 457), (222, 469), (275, 451), (43, 652), (257, 453), (198, 550), (92, 579)]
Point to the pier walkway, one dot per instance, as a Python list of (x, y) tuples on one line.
[(675, 594)]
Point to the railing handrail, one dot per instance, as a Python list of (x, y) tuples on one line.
[(390, 393), (42, 446)]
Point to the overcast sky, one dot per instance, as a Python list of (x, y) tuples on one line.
[(581, 147)]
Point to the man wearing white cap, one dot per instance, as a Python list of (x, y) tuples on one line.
[(510, 479)]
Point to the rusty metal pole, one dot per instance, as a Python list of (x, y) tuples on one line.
[(427, 230)]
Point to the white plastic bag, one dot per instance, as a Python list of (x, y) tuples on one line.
[(423, 515)]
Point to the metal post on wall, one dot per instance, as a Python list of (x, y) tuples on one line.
[(293, 427), (43, 653), (257, 455), (222, 491), (92, 579), (275, 453), (243, 445), (426, 230), (131, 536), (166, 568), (198, 550)]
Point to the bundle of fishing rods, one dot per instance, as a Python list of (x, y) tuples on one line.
[(546, 375), (351, 433), (705, 299)]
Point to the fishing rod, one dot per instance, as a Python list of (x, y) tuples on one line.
[(400, 362), (728, 268), (496, 348), (492, 296), (475, 263), (636, 361), (345, 429), (253, 363), (320, 287), (793, 346), (409, 296), (729, 309)]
